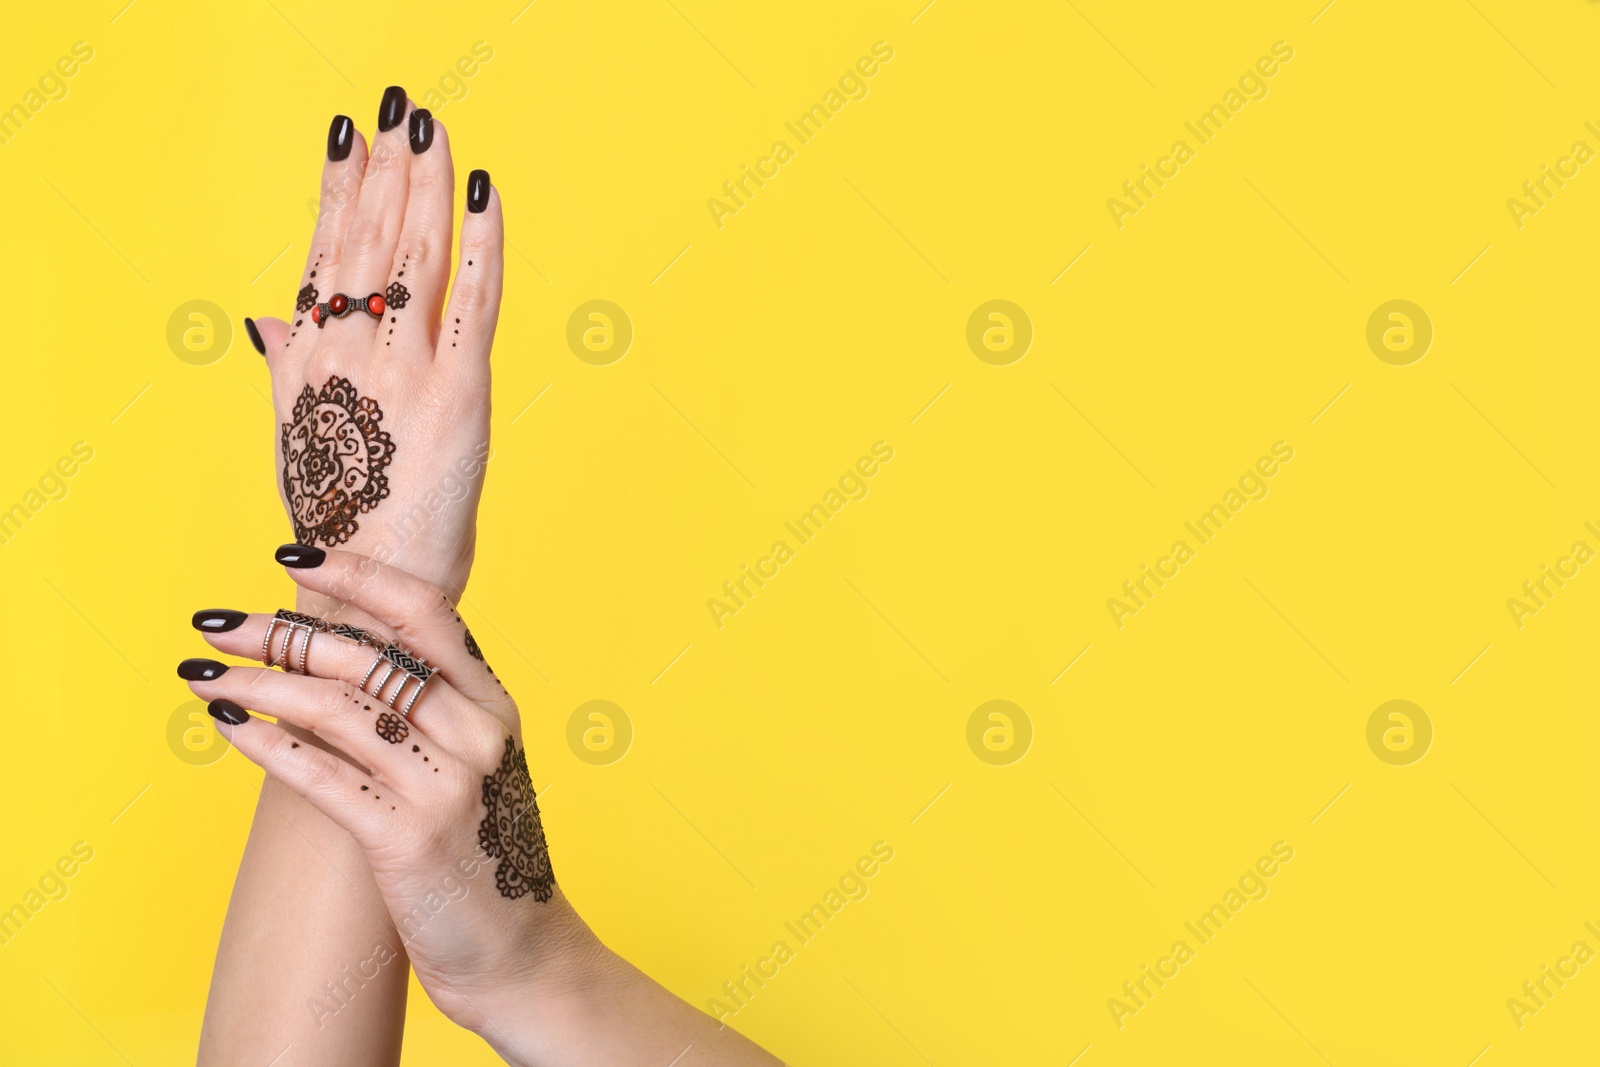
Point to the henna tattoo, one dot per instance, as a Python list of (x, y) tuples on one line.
[(392, 728), (473, 650), (334, 455), (397, 295), (307, 299), (511, 831)]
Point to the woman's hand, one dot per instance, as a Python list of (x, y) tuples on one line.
[(383, 419), (381, 432), (441, 802)]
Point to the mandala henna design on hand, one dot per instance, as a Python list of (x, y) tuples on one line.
[(397, 295), (511, 831), (392, 728), (334, 455), (307, 299)]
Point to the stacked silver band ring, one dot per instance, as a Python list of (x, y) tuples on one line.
[(409, 668), (293, 623)]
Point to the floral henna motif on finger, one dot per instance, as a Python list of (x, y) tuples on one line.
[(334, 455), (307, 299), (392, 728), (511, 831)]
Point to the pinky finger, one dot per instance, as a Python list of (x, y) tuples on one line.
[(334, 787), (268, 336), (469, 320)]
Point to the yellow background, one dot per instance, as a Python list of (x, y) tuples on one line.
[(823, 317)]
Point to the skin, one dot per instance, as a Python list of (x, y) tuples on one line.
[(382, 212), (524, 973)]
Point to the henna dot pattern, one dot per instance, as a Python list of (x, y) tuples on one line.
[(334, 455), (511, 831), (392, 728)]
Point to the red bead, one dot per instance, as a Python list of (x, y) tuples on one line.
[(316, 313), (337, 303), (375, 305)]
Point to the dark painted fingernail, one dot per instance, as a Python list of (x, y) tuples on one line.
[(201, 670), (393, 108), (217, 620), (255, 335), (228, 712), (477, 191), (341, 135), (421, 130), (303, 557)]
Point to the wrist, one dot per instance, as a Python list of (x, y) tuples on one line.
[(537, 1007)]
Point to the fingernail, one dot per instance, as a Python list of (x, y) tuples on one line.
[(228, 712), (217, 620), (255, 335), (477, 191), (201, 670), (303, 557), (341, 135), (393, 108), (421, 130)]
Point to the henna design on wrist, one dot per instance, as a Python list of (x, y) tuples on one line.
[(512, 833), (334, 455)]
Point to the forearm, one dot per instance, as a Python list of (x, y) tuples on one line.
[(306, 928), (581, 1004), (305, 932)]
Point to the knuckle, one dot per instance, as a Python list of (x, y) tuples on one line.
[(369, 230), (334, 707), (470, 294), (427, 178), (384, 158), (485, 746), (339, 192), (319, 769), (416, 251)]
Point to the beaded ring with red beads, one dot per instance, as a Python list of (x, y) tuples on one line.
[(339, 305)]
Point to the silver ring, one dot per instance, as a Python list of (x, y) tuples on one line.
[(409, 668), (416, 691), (305, 649), (266, 642)]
